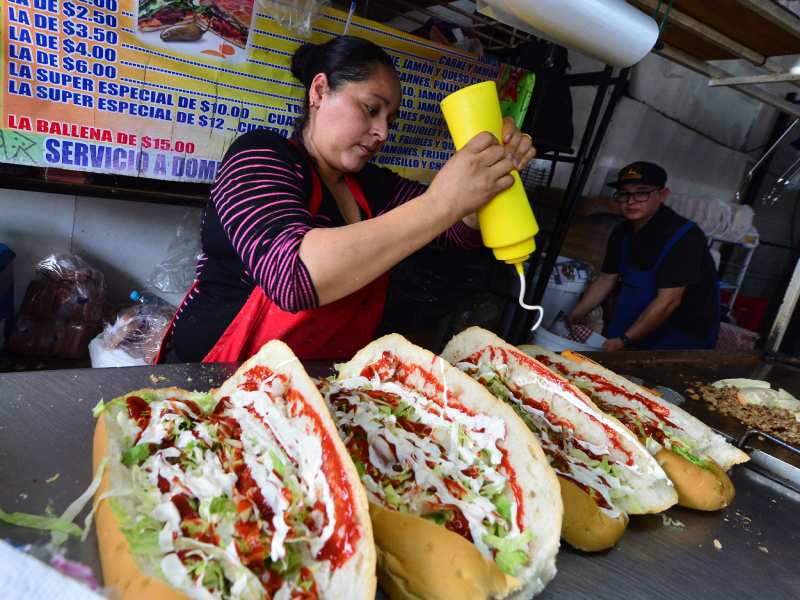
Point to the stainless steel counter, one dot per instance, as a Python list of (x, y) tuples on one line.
[(46, 429)]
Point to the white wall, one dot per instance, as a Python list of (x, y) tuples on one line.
[(670, 116), (125, 240)]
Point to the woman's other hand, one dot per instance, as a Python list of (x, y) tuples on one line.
[(518, 145), (473, 176)]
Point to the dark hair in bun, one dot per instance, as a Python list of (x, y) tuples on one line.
[(343, 59)]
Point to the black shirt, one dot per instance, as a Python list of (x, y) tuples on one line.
[(688, 264), (255, 220)]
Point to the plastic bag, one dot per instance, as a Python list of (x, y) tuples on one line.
[(62, 309), (138, 329), (43, 571), (294, 15), (176, 272), (515, 90)]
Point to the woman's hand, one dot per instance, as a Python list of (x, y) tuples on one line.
[(473, 176), (518, 145)]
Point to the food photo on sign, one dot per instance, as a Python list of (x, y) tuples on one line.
[(216, 28)]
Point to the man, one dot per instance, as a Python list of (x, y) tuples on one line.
[(669, 294)]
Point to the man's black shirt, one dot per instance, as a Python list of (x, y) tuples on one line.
[(688, 264)]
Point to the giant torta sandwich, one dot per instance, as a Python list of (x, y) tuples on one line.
[(604, 472), (464, 502), (246, 492), (694, 457)]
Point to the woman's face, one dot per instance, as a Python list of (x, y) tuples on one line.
[(352, 123)]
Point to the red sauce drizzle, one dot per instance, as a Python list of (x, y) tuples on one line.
[(458, 524), (504, 354), (593, 494), (251, 549), (272, 582), (604, 385), (342, 543), (390, 368), (192, 406), (248, 488), (139, 411)]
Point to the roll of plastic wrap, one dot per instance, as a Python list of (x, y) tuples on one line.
[(610, 30)]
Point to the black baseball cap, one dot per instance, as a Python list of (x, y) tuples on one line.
[(646, 173)]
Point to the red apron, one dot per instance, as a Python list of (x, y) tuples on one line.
[(334, 331)]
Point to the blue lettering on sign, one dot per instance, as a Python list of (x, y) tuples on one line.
[(419, 67), (62, 96), (18, 15), (19, 88), (401, 150), (17, 70), (48, 42), (46, 22), (280, 119), (47, 59), (97, 156), (161, 165), (19, 34), (22, 53), (48, 5)]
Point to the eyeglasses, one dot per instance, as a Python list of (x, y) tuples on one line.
[(634, 197)]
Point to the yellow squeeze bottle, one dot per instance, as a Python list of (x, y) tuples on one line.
[(507, 222)]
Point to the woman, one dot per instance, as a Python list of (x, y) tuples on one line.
[(299, 235)]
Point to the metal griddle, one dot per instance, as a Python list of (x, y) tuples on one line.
[(46, 429)]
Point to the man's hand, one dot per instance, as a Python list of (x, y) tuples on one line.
[(613, 344), (576, 316)]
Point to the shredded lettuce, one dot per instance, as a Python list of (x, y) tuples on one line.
[(277, 464), (695, 460), (503, 505), (509, 562), (221, 505), (59, 537), (404, 410), (206, 402), (440, 518), (141, 533), (99, 408), (136, 455), (360, 467), (392, 497), (511, 551), (53, 524), (292, 561)]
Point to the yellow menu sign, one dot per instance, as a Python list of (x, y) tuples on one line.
[(160, 88)]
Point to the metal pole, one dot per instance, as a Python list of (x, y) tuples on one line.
[(785, 312), (789, 173), (772, 147), (523, 321), (571, 201)]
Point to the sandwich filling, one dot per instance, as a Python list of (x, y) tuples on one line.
[(600, 470), (243, 498), (419, 450), (227, 25), (646, 418), (155, 14)]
